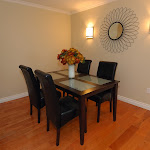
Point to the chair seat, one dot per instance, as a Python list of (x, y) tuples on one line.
[(69, 109), (101, 97)]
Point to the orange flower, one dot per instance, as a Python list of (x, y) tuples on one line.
[(77, 60)]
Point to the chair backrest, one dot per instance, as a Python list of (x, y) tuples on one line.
[(106, 70), (32, 85), (50, 96), (84, 67)]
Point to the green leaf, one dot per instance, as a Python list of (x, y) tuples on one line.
[(75, 55)]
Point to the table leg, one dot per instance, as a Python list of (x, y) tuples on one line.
[(82, 119), (115, 91)]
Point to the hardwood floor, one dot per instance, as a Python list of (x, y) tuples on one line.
[(20, 131)]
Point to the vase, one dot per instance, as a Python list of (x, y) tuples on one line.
[(71, 71)]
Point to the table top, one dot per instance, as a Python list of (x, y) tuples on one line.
[(81, 85)]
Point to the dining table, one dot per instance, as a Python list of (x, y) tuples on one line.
[(82, 87)]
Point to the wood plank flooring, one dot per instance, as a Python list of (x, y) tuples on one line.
[(20, 131)]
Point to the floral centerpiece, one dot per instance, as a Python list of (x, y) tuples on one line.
[(70, 57)]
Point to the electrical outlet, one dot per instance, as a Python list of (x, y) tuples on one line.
[(148, 90)]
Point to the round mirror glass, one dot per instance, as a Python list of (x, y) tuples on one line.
[(115, 31)]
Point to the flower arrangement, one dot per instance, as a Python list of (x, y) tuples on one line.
[(70, 57)]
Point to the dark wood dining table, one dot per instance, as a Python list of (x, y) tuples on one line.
[(84, 86)]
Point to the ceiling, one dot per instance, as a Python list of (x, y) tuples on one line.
[(67, 6)]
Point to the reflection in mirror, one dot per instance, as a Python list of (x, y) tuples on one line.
[(115, 31)]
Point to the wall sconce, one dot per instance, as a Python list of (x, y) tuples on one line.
[(89, 32)]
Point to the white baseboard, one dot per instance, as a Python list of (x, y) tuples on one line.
[(13, 97), (134, 102)]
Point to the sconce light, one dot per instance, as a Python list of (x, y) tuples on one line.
[(89, 32)]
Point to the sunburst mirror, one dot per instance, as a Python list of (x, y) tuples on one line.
[(119, 30)]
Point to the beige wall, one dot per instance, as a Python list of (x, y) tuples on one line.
[(133, 64), (32, 37)]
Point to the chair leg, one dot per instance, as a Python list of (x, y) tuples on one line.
[(98, 113), (63, 93), (110, 106), (47, 124), (38, 115), (87, 99), (58, 136), (85, 122), (30, 109)]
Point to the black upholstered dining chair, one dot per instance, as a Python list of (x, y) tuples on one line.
[(34, 91), (58, 111), (84, 67), (106, 70), (33, 86)]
